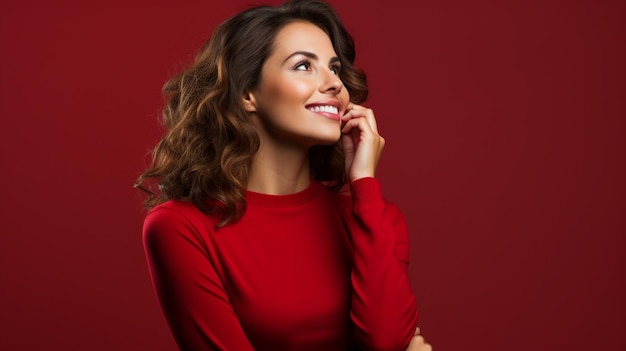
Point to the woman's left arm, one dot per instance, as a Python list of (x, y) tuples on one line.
[(383, 310)]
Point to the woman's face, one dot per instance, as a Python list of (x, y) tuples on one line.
[(300, 97)]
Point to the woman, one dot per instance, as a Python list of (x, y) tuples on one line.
[(269, 231)]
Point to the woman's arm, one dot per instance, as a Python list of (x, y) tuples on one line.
[(383, 310), (383, 305), (191, 295)]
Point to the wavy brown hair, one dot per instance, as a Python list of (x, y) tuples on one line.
[(210, 141)]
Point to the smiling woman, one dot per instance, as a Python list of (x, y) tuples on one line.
[(297, 87), (270, 231)]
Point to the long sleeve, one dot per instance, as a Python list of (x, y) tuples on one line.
[(383, 309), (192, 297)]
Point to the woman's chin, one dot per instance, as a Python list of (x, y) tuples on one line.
[(329, 139)]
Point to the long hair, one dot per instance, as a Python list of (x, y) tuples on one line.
[(207, 151)]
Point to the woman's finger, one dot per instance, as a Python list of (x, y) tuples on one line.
[(358, 111), (361, 123), (361, 130)]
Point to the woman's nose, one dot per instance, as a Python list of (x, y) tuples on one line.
[(331, 82)]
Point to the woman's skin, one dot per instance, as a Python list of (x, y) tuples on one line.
[(301, 102), (418, 343)]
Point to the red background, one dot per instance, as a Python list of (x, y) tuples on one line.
[(505, 126)]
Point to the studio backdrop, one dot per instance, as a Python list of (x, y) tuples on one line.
[(505, 125)]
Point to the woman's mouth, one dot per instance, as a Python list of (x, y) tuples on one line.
[(328, 111)]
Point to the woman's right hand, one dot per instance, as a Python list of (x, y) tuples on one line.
[(418, 343)]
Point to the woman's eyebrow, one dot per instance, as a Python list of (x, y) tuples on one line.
[(312, 56)]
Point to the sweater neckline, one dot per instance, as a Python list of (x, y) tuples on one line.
[(288, 200)]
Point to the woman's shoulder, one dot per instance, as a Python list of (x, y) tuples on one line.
[(340, 200), (364, 192), (176, 215), (174, 208)]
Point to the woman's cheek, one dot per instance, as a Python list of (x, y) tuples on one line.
[(344, 97)]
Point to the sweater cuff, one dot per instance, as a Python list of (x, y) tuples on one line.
[(366, 190)]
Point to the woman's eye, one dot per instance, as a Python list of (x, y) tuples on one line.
[(335, 69), (303, 66)]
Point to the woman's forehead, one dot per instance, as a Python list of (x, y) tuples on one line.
[(303, 36)]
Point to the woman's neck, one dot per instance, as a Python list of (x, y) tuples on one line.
[(279, 170)]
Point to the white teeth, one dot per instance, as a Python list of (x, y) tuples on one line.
[(325, 108)]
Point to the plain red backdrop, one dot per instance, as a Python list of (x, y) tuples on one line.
[(505, 126)]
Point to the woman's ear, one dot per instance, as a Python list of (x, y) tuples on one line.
[(249, 102)]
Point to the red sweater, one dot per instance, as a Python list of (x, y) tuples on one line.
[(314, 270)]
